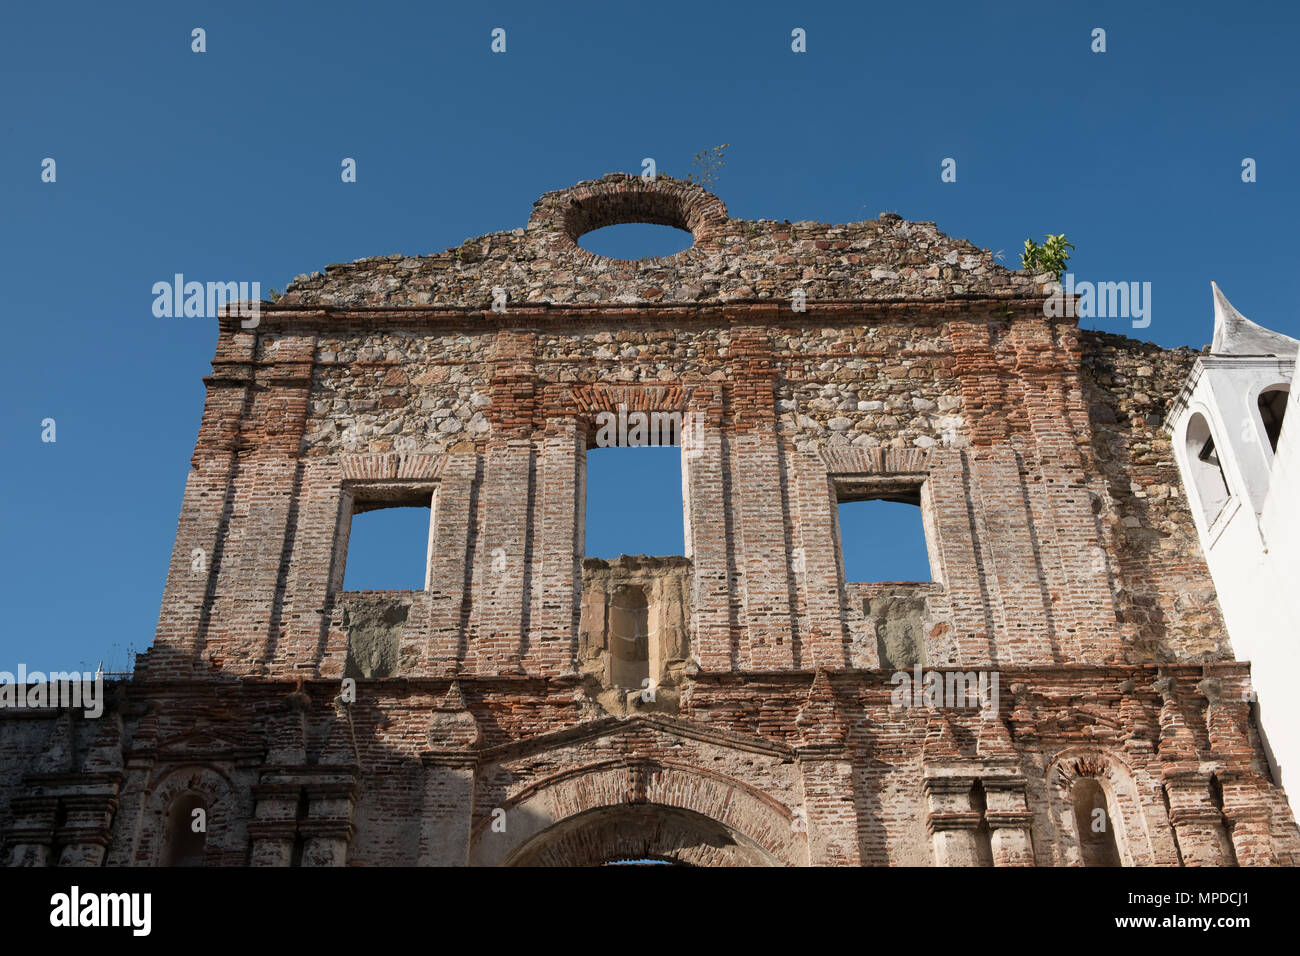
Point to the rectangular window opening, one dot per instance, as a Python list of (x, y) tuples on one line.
[(634, 501), (388, 546), (882, 537)]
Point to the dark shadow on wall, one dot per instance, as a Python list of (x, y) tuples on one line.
[(1128, 388)]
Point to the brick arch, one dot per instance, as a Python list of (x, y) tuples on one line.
[(225, 840), (877, 462), (639, 832), (1122, 797), (722, 821), (636, 396), (568, 214)]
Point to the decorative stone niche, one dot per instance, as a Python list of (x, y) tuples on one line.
[(633, 639)]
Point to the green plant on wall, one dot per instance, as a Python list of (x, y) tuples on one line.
[(1051, 256), (708, 163)]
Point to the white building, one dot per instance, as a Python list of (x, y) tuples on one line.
[(1238, 448)]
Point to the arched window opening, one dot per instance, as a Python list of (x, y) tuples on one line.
[(1272, 409), (1094, 822), (187, 831), (1206, 470), (983, 835)]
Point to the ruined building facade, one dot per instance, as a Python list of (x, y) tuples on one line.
[(733, 705)]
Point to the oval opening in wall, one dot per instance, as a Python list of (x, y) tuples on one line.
[(636, 240)]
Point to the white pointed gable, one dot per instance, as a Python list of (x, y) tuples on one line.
[(1234, 334)]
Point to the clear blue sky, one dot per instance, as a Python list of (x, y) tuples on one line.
[(225, 165)]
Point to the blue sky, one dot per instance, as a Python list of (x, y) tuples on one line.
[(225, 165)]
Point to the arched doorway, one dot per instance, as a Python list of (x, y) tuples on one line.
[(636, 809), (640, 832)]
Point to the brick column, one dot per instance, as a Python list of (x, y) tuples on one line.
[(826, 764), (1250, 829), (1083, 609), (757, 501), (501, 558), (832, 817), (1010, 559), (1197, 821), (1006, 808), (274, 825), (328, 828), (89, 803), (761, 547), (821, 579), (86, 835), (1010, 821), (447, 809), (248, 599), (557, 549), (951, 819), (450, 765), (313, 566), (706, 544), (191, 575), (130, 812), (969, 590), (448, 564), (1193, 815), (31, 834), (1246, 815)]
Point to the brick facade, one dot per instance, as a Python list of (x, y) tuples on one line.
[(490, 725)]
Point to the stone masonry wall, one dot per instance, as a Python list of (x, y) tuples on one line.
[(848, 405), (497, 715)]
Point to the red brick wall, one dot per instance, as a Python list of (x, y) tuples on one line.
[(1065, 563)]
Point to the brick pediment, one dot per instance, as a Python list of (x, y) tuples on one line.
[(634, 727)]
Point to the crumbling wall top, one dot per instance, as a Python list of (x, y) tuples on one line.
[(731, 260)]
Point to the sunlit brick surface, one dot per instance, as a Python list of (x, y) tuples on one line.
[(1065, 563)]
